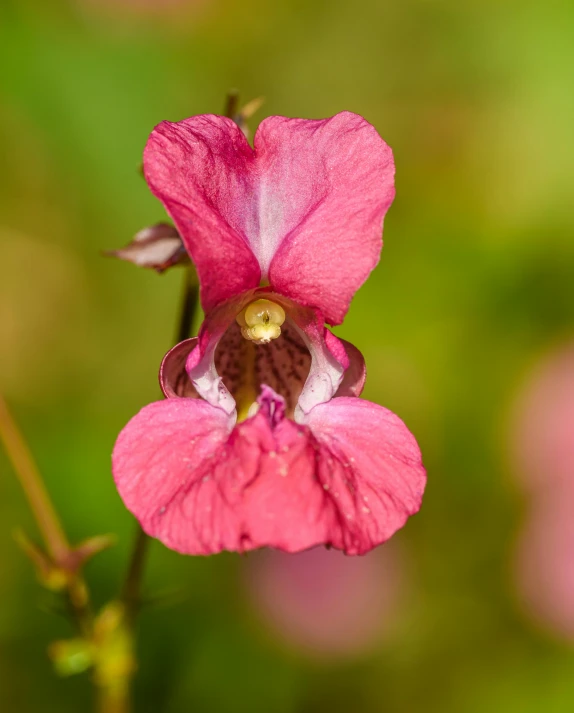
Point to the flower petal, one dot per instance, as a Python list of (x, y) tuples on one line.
[(355, 373), (350, 478), (199, 169), (162, 453), (201, 489), (173, 377), (324, 193), (328, 360), (373, 470), (304, 208), (188, 480)]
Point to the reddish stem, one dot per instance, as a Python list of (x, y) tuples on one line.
[(31, 481)]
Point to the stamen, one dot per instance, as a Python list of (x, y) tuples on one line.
[(261, 321)]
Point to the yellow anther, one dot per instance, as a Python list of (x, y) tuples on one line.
[(264, 312), (261, 321), (264, 333)]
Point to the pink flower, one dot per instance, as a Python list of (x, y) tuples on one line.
[(262, 440)]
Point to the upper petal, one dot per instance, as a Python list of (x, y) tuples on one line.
[(325, 190), (304, 208), (199, 169)]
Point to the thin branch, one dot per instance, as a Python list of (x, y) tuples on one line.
[(231, 104), (132, 585), (53, 534), (31, 481), (113, 700), (131, 590), (188, 308)]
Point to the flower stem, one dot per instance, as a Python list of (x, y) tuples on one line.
[(49, 524), (113, 699), (31, 481), (131, 591), (132, 584), (189, 303), (231, 104)]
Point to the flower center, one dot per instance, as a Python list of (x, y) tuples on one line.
[(261, 321), (282, 363)]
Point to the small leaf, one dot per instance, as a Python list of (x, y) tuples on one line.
[(71, 656), (157, 247), (246, 112), (88, 548), (49, 574)]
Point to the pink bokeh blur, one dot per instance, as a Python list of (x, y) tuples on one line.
[(324, 603), (544, 566), (542, 444), (543, 424)]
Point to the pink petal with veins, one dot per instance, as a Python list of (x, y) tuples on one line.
[(372, 468), (303, 208), (200, 169), (327, 187), (350, 478)]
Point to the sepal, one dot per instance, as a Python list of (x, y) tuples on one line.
[(158, 247)]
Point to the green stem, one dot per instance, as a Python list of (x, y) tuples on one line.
[(55, 540), (114, 699), (131, 591), (31, 481), (189, 303), (118, 699), (231, 104)]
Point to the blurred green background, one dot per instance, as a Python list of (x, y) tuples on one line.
[(475, 284)]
